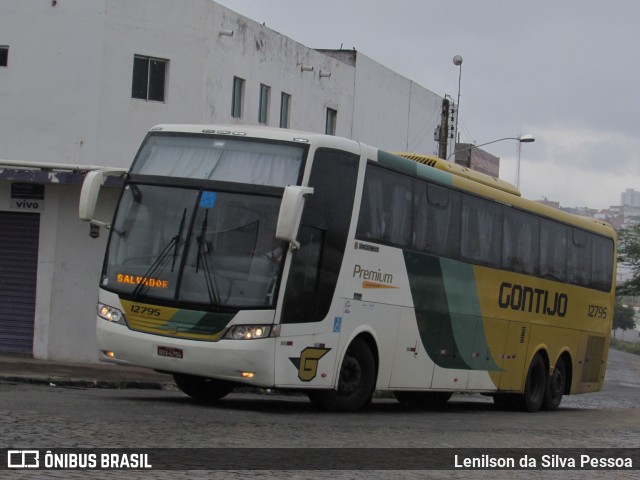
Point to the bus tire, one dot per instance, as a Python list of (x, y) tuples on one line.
[(535, 385), (201, 388), (355, 384), (422, 399), (555, 386)]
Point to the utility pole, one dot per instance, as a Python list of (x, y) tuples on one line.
[(443, 133), (457, 61)]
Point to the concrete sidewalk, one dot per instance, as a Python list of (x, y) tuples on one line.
[(24, 369)]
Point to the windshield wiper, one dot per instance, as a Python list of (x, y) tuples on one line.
[(177, 237), (160, 262), (209, 276)]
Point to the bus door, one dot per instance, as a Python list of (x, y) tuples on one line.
[(308, 340)]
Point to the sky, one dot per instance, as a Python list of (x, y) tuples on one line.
[(565, 71)]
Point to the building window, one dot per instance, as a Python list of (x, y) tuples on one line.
[(236, 99), (332, 116), (263, 112), (4, 56), (149, 78), (285, 110)]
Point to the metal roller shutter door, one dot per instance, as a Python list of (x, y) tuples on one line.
[(19, 237)]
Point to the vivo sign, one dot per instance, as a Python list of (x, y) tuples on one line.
[(27, 196)]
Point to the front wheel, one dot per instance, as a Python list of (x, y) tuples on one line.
[(202, 388), (355, 385)]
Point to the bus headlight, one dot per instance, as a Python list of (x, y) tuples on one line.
[(248, 332), (111, 314)]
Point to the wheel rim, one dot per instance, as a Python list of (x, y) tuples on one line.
[(536, 383), (350, 376), (557, 381)]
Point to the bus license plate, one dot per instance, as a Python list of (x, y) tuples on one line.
[(170, 352)]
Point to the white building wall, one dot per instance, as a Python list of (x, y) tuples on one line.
[(392, 112), (73, 270), (50, 90), (68, 84), (66, 98), (202, 64), (164, 29)]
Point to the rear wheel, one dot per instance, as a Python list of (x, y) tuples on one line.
[(356, 382), (535, 386), (555, 386), (422, 399), (202, 388)]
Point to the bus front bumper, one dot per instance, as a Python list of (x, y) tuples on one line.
[(244, 361)]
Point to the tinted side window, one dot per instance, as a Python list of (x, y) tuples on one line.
[(520, 247), (323, 235), (579, 258), (602, 263), (553, 250), (386, 211), (442, 206), (481, 228)]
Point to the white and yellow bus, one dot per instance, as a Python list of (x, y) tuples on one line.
[(282, 259)]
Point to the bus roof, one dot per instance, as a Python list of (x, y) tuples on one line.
[(467, 179), (248, 131), (486, 186), (461, 171)]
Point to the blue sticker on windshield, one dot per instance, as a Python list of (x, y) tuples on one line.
[(208, 199)]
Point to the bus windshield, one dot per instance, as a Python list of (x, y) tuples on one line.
[(219, 158), (200, 247)]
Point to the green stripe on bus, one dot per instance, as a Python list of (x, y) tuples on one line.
[(397, 163), (432, 310), (196, 322), (467, 323), (415, 169), (448, 312)]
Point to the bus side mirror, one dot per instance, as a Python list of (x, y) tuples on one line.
[(291, 213), (93, 180)]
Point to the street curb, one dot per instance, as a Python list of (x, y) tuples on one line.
[(84, 383)]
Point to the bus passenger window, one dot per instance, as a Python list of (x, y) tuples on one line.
[(371, 223), (579, 258), (602, 265), (386, 209), (553, 250), (481, 231), (420, 239), (521, 241), (443, 221)]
